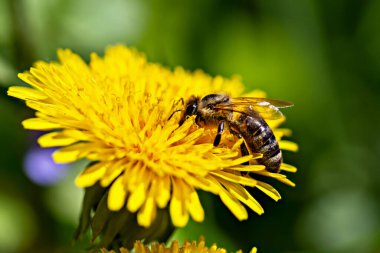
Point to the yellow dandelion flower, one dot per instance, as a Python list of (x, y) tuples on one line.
[(187, 247), (115, 112)]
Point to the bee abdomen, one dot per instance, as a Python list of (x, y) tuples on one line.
[(272, 155), (261, 136), (260, 139)]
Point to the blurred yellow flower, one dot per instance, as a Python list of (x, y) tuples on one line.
[(187, 247), (115, 112)]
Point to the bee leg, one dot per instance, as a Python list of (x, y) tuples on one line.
[(244, 151), (235, 133), (218, 136), (199, 120)]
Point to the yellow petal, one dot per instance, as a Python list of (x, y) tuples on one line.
[(234, 205), (236, 178), (163, 192), (147, 213), (116, 195), (61, 156), (230, 201), (288, 145), (288, 167), (55, 139), (39, 124), (249, 168), (241, 160), (280, 177), (71, 153), (280, 132), (178, 211), (286, 181), (30, 79), (268, 190), (253, 250), (137, 198), (112, 172), (26, 93), (91, 175), (195, 207), (245, 197)]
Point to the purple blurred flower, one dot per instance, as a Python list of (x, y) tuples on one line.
[(40, 167)]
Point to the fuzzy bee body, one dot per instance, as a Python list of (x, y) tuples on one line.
[(244, 117)]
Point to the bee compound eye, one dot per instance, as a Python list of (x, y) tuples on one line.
[(191, 109)]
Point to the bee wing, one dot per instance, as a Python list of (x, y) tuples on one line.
[(261, 102), (267, 108)]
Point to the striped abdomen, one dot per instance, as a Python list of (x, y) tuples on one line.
[(259, 138)]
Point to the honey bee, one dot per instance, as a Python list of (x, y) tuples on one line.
[(244, 118)]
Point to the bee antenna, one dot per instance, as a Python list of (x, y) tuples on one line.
[(171, 115)]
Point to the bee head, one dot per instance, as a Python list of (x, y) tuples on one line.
[(191, 108)]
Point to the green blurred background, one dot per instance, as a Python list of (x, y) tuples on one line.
[(322, 55)]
